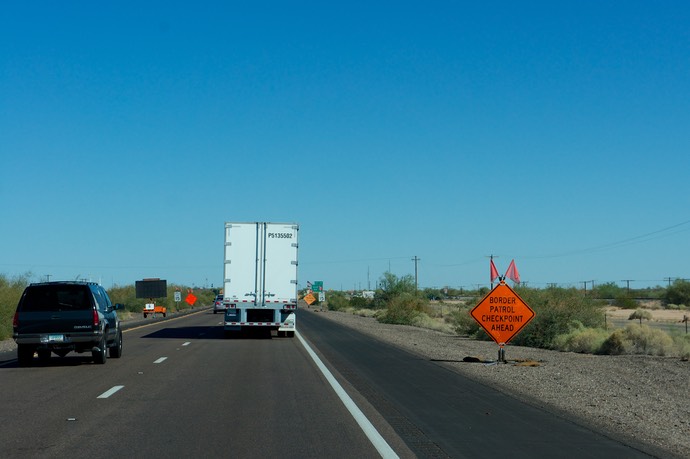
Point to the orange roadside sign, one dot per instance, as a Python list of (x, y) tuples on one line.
[(190, 299), (309, 299), (502, 313)]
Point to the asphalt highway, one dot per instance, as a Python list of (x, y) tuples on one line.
[(182, 390)]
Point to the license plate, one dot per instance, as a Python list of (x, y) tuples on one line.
[(56, 338)]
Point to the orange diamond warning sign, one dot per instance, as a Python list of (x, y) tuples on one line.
[(309, 298), (502, 313)]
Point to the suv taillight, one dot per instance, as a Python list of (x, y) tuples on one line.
[(15, 321), (96, 319)]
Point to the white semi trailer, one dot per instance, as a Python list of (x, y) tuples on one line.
[(260, 276)]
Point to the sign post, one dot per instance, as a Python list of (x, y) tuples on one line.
[(502, 314)]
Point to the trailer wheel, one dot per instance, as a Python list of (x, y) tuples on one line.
[(290, 334)]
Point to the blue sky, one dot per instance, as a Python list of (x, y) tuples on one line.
[(553, 133)]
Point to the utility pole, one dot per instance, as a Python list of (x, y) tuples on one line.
[(627, 281), (669, 279), (491, 257), (416, 260), (585, 282)]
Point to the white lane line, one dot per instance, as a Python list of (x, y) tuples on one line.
[(161, 360), (110, 391), (367, 427), (187, 343)]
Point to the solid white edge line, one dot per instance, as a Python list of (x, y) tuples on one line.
[(161, 360), (367, 427), (110, 391)]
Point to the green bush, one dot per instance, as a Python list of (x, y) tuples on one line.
[(358, 302), (581, 339), (640, 314), (625, 302), (681, 345), (337, 301), (613, 345), (403, 310), (678, 292), (639, 339), (11, 290), (556, 310), (465, 325)]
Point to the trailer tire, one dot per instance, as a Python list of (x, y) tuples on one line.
[(290, 334)]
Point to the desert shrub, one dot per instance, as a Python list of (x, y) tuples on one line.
[(639, 339), (424, 321), (681, 345), (403, 309), (678, 292), (626, 302), (556, 309), (464, 324), (613, 345), (11, 290), (580, 339), (640, 314), (337, 301), (359, 302)]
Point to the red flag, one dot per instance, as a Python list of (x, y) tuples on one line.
[(494, 271), (513, 273)]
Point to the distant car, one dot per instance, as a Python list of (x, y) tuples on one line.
[(218, 304)]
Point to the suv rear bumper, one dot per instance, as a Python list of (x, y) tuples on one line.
[(58, 339)]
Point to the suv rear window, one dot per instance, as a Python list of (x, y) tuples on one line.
[(56, 298)]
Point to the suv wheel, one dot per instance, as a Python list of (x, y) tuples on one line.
[(101, 355), (116, 350), (25, 354)]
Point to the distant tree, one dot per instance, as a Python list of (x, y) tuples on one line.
[(433, 294), (678, 293), (608, 290), (623, 300), (391, 286), (640, 314)]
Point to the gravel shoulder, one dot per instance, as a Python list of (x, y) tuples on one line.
[(643, 399)]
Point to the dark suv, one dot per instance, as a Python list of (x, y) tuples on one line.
[(61, 317)]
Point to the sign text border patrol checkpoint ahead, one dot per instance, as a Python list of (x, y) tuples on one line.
[(502, 314)]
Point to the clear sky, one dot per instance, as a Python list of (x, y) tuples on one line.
[(553, 133)]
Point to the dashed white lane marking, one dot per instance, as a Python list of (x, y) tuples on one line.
[(370, 431), (161, 360), (110, 391), (187, 343)]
